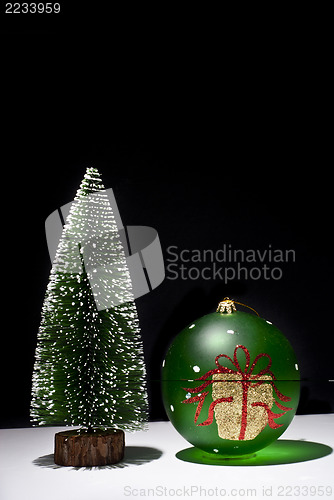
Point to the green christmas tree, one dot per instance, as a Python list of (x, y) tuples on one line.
[(89, 364)]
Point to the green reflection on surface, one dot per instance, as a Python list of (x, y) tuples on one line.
[(283, 451)]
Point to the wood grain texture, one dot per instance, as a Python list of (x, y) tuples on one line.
[(86, 449)]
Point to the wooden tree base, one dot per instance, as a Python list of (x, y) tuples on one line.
[(87, 449)]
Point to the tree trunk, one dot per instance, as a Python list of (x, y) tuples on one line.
[(85, 449)]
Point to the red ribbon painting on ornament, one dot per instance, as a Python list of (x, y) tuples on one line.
[(236, 389)]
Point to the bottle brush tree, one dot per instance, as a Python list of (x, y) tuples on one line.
[(89, 367)]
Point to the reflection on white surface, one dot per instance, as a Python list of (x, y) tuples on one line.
[(155, 469)]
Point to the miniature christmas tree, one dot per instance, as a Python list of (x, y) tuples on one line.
[(89, 369)]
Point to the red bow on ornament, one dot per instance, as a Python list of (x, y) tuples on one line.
[(247, 379)]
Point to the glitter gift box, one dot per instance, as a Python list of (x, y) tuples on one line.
[(242, 401)]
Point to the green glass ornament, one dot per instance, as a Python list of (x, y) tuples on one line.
[(230, 382)]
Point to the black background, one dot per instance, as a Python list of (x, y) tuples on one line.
[(206, 141)]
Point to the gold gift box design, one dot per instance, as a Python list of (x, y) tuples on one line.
[(242, 401), (231, 417)]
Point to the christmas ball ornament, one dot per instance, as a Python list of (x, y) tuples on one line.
[(230, 382)]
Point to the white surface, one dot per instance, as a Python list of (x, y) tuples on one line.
[(27, 471)]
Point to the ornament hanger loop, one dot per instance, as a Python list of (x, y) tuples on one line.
[(228, 306)]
